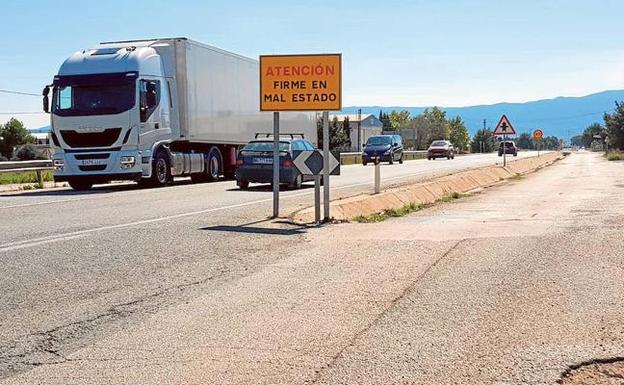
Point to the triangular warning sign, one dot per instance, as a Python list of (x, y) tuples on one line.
[(504, 127)]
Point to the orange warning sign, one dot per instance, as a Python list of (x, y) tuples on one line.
[(301, 82)]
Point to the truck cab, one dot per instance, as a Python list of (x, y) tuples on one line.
[(110, 106)]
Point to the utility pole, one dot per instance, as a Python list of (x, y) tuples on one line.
[(359, 146)]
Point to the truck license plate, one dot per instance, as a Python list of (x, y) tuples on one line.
[(93, 162), (263, 160)]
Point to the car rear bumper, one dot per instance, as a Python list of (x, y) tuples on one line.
[(264, 175), (438, 154)]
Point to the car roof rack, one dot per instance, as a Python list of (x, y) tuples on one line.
[(270, 135)]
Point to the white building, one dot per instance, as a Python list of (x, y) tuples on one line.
[(369, 125)]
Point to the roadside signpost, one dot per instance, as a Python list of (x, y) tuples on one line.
[(537, 136), (504, 128), (312, 163), (307, 82)]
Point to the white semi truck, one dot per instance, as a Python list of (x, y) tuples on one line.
[(151, 110)]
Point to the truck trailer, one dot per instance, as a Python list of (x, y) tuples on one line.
[(152, 110)]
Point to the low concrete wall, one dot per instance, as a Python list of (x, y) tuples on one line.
[(430, 191)]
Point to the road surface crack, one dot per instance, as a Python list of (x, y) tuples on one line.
[(43, 347), (353, 340), (591, 369)]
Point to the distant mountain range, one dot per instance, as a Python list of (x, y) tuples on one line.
[(563, 117)]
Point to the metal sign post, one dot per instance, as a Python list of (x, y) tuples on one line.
[(276, 168), (326, 166), (317, 199), (377, 176), (504, 150)]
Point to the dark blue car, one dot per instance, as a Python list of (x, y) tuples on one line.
[(388, 148), (254, 163)]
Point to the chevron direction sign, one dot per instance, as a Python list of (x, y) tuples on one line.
[(311, 162)]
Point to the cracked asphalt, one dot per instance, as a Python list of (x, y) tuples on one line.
[(518, 284)]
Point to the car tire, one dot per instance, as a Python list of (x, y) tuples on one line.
[(296, 184), (391, 161), (401, 159), (80, 184), (364, 163), (242, 184)]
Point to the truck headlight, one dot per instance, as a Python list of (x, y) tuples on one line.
[(58, 164), (127, 161)]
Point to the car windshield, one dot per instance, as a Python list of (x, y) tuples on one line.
[(438, 143), (378, 140), (507, 144), (265, 146), (93, 95)]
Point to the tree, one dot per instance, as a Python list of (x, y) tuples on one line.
[(13, 133), (399, 119), (385, 121), (346, 127), (458, 134), (550, 143), (483, 141), (615, 126), (590, 131), (577, 141), (525, 141)]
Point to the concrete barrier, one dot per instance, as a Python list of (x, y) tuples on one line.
[(429, 191)]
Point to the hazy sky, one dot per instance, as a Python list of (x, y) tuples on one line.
[(416, 53)]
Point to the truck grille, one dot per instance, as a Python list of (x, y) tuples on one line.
[(105, 138)]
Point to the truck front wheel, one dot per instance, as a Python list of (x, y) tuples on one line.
[(80, 184), (161, 170)]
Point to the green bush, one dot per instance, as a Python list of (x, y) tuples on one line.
[(615, 155), (25, 177)]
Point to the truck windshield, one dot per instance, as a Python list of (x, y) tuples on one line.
[(93, 95), (378, 140)]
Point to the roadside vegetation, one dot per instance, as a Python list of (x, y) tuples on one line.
[(25, 177), (12, 134), (406, 209), (606, 136), (432, 124)]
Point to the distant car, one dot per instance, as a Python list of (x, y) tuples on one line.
[(388, 148), (509, 148), (254, 163), (441, 149)]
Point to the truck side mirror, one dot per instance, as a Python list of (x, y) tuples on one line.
[(46, 100)]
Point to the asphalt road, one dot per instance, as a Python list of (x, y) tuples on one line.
[(511, 286)]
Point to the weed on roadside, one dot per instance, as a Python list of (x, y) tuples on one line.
[(406, 209), (517, 177), (615, 155)]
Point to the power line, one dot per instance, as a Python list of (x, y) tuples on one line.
[(18, 93)]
